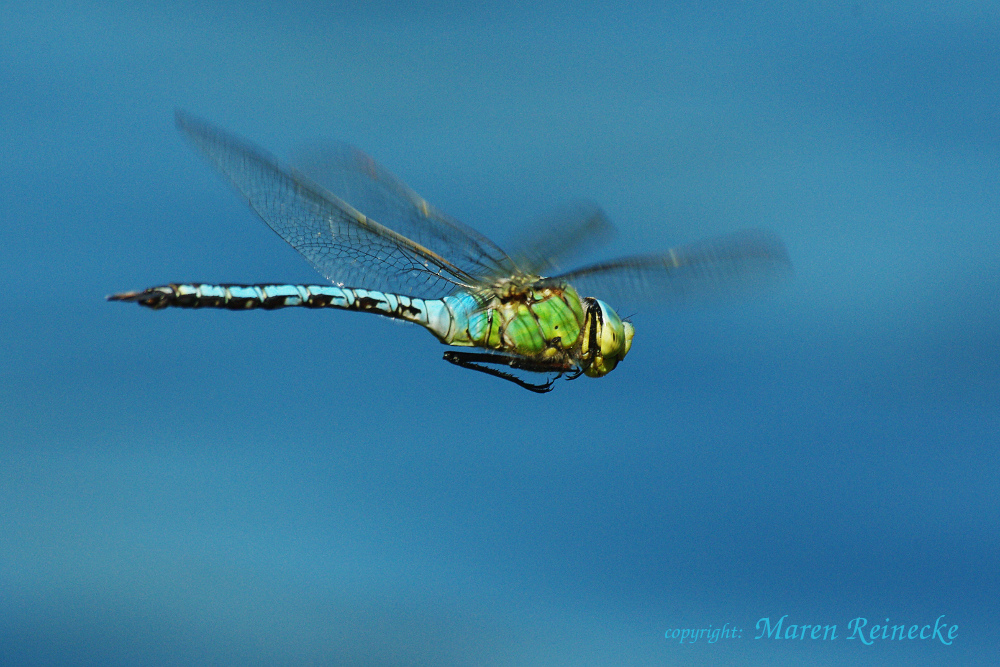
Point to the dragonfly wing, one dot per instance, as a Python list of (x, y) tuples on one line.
[(552, 242), (355, 177), (340, 241), (718, 267)]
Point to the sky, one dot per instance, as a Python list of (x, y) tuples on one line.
[(318, 487)]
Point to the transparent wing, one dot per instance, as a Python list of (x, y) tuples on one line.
[(552, 242), (340, 241), (718, 267), (356, 178)]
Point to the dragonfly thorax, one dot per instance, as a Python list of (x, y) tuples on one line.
[(546, 319)]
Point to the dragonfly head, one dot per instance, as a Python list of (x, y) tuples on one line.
[(606, 338)]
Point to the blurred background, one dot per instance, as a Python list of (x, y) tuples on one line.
[(319, 487)]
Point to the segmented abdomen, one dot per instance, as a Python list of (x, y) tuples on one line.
[(432, 314), (232, 297)]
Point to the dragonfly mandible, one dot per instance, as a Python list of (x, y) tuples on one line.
[(385, 250)]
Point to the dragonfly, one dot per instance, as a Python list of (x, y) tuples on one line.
[(386, 250)]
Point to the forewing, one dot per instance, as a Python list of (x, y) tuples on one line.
[(724, 266), (340, 241), (355, 177)]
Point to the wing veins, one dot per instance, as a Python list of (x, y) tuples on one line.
[(341, 242)]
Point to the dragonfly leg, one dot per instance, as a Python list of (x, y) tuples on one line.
[(475, 361)]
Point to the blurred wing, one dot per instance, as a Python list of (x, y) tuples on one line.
[(554, 241), (356, 178), (340, 241), (718, 267)]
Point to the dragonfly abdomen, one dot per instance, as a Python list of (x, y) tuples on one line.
[(432, 314)]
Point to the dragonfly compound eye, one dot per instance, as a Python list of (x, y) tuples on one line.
[(613, 340)]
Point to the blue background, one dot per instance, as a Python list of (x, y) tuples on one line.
[(300, 486)]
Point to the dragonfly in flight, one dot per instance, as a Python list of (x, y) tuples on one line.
[(385, 250)]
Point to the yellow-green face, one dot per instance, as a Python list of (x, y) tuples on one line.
[(614, 339)]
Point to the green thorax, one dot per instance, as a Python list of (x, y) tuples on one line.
[(526, 321)]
